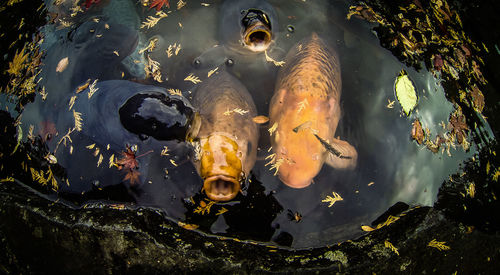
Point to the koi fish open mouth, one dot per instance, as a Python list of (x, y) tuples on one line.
[(257, 34), (221, 188)]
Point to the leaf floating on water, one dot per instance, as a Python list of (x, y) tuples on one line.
[(303, 126), (439, 245), (331, 149), (180, 4), (164, 152), (91, 146), (405, 92), (192, 78), (390, 104), (260, 119), (302, 105), (173, 163), (78, 120), (99, 161), (417, 133), (151, 21), (270, 59), (332, 200), (71, 102), (211, 72), (83, 86), (150, 47), (92, 89), (174, 92), (273, 128), (112, 161), (61, 66), (236, 110)]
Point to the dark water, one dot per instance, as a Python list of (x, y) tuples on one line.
[(390, 167)]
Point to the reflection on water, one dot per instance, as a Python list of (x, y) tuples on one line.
[(390, 167)]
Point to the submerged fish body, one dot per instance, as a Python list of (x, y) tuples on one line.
[(122, 113), (227, 136), (305, 107), (93, 50), (247, 25)]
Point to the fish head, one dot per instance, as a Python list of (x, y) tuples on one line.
[(221, 166), (299, 155), (101, 40), (257, 34), (96, 48), (248, 26)]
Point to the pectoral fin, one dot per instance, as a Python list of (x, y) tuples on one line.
[(345, 157)]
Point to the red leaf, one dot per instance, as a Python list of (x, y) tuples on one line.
[(89, 3), (128, 160), (132, 176), (159, 4)]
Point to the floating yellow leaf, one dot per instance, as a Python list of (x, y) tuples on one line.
[(211, 72), (405, 92), (78, 120), (192, 78), (273, 128), (332, 200)]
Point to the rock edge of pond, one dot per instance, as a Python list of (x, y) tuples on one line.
[(42, 236)]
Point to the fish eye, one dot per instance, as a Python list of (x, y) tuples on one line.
[(290, 28), (229, 62), (197, 63)]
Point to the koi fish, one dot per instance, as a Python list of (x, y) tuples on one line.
[(228, 139), (305, 107)]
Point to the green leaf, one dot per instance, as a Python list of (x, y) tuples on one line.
[(405, 92)]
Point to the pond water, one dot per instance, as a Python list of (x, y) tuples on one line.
[(107, 43)]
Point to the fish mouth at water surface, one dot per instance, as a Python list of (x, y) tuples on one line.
[(221, 187), (257, 34)]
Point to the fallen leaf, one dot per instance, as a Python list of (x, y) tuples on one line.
[(158, 4), (405, 92), (132, 176), (61, 66), (417, 133), (260, 119)]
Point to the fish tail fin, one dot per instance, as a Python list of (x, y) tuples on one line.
[(348, 155)]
